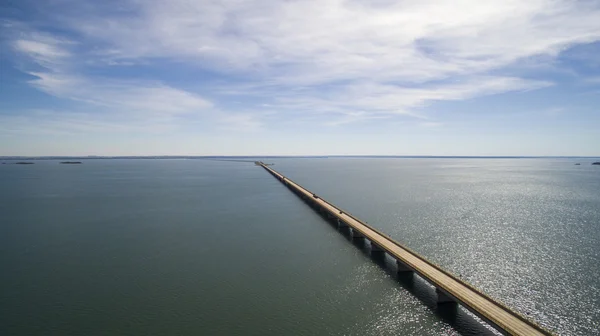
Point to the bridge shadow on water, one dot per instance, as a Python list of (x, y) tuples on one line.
[(458, 318)]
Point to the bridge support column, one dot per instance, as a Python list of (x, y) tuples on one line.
[(443, 297), (341, 224), (402, 267), (357, 236), (331, 218), (376, 250)]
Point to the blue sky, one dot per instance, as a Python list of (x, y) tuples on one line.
[(234, 77)]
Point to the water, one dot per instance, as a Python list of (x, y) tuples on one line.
[(196, 247)]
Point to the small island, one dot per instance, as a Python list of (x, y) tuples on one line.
[(23, 163), (596, 163), (70, 162)]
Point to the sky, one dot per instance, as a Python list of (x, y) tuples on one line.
[(294, 77)]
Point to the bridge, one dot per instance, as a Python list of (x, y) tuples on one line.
[(449, 288)]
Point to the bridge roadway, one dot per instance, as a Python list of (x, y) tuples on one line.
[(448, 287)]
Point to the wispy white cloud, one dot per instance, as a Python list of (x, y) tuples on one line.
[(364, 100), (60, 78), (45, 122), (42, 51), (429, 124), (127, 95), (318, 41), (353, 117), (592, 80), (242, 122), (553, 112), (348, 60)]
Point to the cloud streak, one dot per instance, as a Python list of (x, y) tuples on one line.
[(346, 61), (149, 97), (100, 104), (320, 41)]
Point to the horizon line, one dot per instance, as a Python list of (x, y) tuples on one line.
[(33, 157)]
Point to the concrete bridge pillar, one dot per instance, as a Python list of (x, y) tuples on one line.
[(443, 297), (331, 218), (402, 267), (376, 250), (356, 235), (341, 223)]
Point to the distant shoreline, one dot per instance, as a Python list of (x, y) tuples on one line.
[(251, 158)]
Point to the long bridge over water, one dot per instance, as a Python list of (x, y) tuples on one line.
[(449, 288)]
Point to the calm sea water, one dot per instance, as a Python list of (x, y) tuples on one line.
[(197, 247)]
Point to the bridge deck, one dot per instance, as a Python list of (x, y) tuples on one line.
[(495, 313)]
